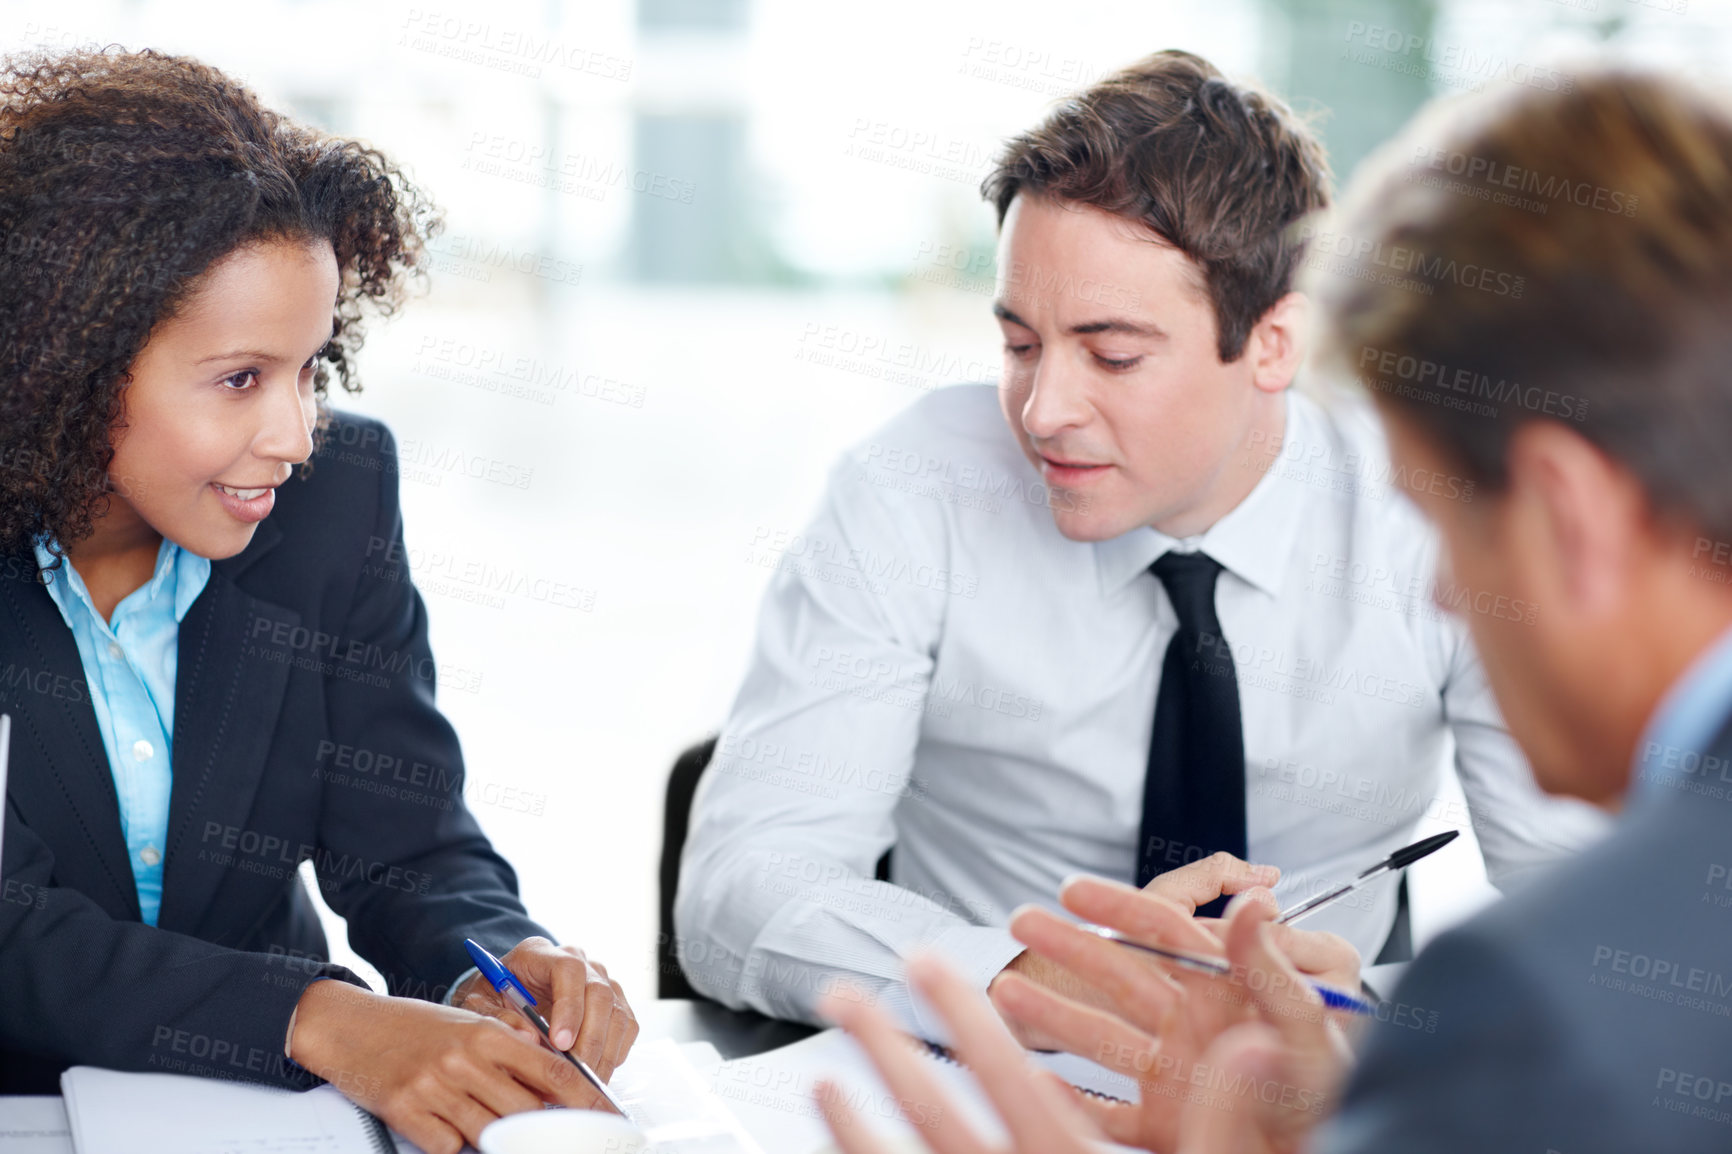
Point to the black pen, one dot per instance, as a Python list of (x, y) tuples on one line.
[(1400, 859)]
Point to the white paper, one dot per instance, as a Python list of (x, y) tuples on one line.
[(115, 1113), (34, 1125)]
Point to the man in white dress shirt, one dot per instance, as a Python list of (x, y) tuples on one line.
[(962, 659)]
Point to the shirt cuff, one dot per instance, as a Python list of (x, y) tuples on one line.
[(980, 952), (461, 978)]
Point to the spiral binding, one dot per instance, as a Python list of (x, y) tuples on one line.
[(945, 1054), (378, 1134)]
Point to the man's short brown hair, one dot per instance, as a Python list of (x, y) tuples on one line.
[(1218, 170), (1609, 207)]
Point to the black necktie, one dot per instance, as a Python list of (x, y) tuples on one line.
[(1194, 796)]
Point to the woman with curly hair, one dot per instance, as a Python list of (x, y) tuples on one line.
[(215, 661)]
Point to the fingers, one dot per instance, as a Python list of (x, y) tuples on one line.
[(494, 1089), (902, 1066), (1141, 914), (1325, 956), (1038, 1116), (586, 1011), (1079, 1029), (559, 977), (1246, 1055), (466, 1115), (489, 1004), (622, 1030), (597, 996), (1133, 985), (852, 1137), (1200, 882), (1280, 991), (546, 1074), (431, 1133)]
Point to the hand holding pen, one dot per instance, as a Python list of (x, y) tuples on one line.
[(1152, 1022), (515, 994)]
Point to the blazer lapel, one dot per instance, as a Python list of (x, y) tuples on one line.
[(60, 778), (227, 698)]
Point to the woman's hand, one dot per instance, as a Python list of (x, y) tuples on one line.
[(435, 1074), (581, 1003)]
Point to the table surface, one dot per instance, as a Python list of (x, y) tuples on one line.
[(734, 1033)]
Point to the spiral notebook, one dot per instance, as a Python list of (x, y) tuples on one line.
[(115, 1113)]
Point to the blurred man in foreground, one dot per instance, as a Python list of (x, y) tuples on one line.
[(1593, 1011)]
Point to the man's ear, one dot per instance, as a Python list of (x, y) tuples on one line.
[(1276, 344), (1588, 512)]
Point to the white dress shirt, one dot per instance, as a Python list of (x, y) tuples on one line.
[(938, 668)]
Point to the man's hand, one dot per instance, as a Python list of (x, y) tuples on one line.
[(1159, 1022), (581, 1003), (1036, 1108), (1291, 1061), (1200, 882), (435, 1074), (1188, 887)]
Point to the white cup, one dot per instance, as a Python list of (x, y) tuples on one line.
[(562, 1132)]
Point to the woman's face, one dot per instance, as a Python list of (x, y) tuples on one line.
[(220, 407)]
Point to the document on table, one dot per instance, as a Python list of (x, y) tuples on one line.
[(665, 1087), (772, 1094), (115, 1113), (34, 1125)]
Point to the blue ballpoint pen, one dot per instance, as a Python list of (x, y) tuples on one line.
[(513, 991), (1220, 967)]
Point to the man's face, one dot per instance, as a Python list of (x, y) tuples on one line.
[(1544, 656), (1112, 382)]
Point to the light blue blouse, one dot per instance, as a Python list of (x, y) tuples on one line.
[(130, 664)]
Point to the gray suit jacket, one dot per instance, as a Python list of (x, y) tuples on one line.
[(1589, 1014)]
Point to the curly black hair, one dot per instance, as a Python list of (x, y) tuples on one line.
[(124, 176)]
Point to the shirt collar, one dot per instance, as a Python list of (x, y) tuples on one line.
[(1674, 745), (1253, 541), (188, 572)]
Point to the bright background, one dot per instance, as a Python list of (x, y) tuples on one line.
[(701, 192)]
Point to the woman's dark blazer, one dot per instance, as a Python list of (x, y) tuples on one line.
[(304, 729)]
